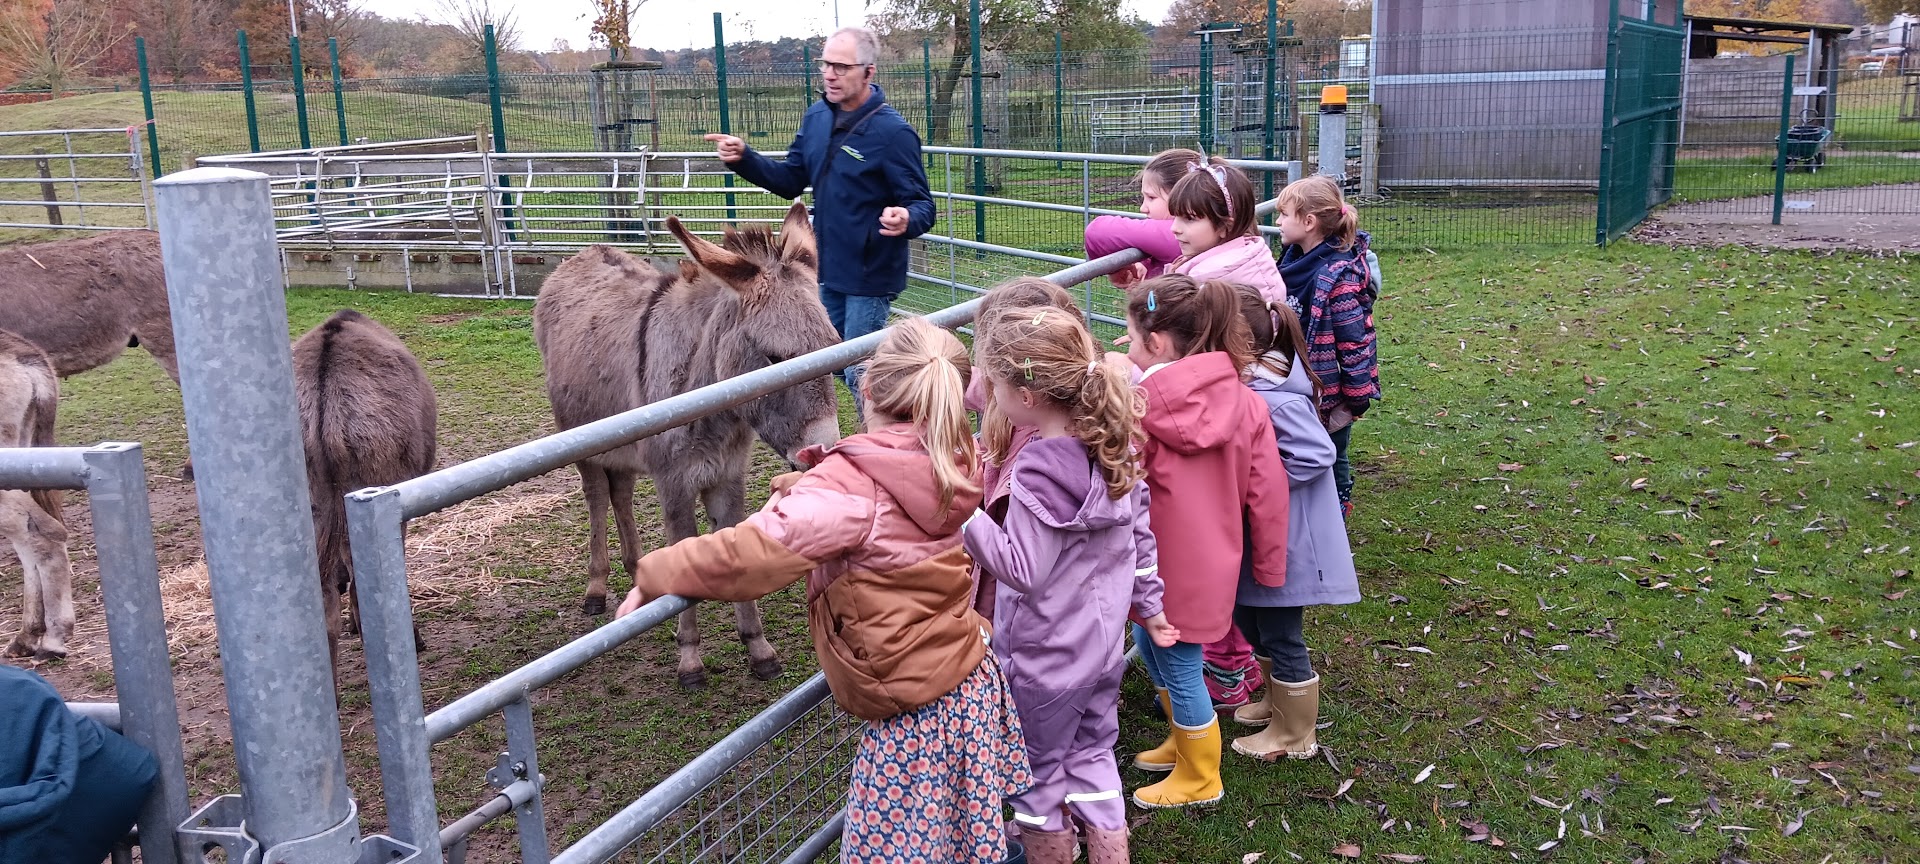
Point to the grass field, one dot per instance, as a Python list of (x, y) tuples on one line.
[(1635, 530)]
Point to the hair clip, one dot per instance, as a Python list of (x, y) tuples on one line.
[(1037, 316), (1092, 367), (1274, 315), (1153, 303), (1027, 364)]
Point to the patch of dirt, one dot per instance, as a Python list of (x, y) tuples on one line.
[(1836, 220)]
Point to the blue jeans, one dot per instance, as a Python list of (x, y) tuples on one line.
[(1342, 468), (1177, 669), (853, 316)]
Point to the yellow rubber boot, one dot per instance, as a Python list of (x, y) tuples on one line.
[(1196, 772), (1260, 711), (1161, 758)]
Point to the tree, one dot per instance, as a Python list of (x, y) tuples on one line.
[(613, 25), (471, 18), (1882, 11), (177, 34), (51, 43), (1005, 25), (341, 20)]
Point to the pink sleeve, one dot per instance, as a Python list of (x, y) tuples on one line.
[(1109, 234)]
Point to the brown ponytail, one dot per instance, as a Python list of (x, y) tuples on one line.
[(1167, 167), (919, 373), (1052, 355), (1198, 316), (1319, 196), (1275, 335)]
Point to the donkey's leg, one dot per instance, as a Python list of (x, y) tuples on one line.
[(620, 489), (676, 507), (593, 480), (726, 504), (330, 611), (13, 524), (47, 544)]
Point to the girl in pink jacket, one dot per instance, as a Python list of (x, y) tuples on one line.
[(1215, 481), (1152, 235)]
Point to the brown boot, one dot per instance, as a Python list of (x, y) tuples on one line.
[(1048, 847), (1259, 712), (1160, 759), (1106, 847), (1296, 708)]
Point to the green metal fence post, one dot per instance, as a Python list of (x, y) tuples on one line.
[(1607, 129), (1059, 93), (1206, 90), (494, 107), (926, 66), (300, 93), (146, 98), (979, 128), (246, 89), (339, 99), (1780, 144), (806, 78), (726, 117), (1266, 135)]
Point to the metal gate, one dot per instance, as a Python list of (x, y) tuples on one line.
[(1639, 137)]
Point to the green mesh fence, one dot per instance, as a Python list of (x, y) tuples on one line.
[(1644, 108)]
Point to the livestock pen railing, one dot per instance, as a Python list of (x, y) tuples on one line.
[(73, 179), (794, 753), (115, 480), (1000, 212)]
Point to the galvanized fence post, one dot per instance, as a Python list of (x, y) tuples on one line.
[(246, 90), (146, 99), (376, 532), (1780, 144), (243, 426), (521, 762), (137, 635)]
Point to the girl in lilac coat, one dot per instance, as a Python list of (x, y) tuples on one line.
[(1074, 558), (1320, 568)]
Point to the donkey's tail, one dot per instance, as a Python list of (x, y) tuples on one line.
[(41, 413)]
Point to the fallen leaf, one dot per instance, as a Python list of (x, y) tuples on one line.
[(1895, 595), (1403, 857), (1424, 774), (1801, 680), (1547, 845), (1344, 786), (1744, 658), (1638, 483), (1511, 466), (1251, 857), (1346, 850), (1794, 826)]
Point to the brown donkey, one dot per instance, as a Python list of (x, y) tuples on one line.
[(616, 334), (84, 301), (29, 392), (367, 418)]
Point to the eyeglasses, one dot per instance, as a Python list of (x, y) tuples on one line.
[(841, 68)]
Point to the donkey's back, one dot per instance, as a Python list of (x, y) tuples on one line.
[(84, 301)]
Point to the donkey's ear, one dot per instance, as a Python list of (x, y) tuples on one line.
[(727, 266), (796, 237)]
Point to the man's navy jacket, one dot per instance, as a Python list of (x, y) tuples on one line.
[(858, 162)]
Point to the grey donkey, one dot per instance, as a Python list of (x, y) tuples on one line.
[(368, 417), (616, 333), (32, 521)]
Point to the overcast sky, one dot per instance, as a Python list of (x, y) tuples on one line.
[(674, 24)]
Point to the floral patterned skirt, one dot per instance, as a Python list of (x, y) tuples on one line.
[(928, 784)]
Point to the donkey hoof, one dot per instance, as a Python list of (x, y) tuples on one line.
[(18, 648), (186, 471), (46, 654), (696, 680), (766, 670), (594, 606)]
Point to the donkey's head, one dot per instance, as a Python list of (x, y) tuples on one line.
[(778, 317)]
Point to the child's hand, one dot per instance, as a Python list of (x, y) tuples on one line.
[(1128, 277), (634, 601), (1162, 633)]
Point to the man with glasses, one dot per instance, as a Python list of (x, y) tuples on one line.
[(870, 192)]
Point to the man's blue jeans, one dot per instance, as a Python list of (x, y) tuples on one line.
[(853, 316)]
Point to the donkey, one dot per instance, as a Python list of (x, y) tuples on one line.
[(29, 392), (367, 418), (615, 333), (84, 301)]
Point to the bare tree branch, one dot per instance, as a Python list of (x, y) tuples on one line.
[(471, 18), (54, 46)]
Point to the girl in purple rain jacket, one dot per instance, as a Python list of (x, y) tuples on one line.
[(1074, 558)]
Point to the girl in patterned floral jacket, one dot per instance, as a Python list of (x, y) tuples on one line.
[(874, 529)]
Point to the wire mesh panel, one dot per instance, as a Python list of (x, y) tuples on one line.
[(767, 806)]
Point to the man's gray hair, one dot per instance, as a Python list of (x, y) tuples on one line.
[(866, 46)]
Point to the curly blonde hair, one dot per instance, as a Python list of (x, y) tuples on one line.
[(1051, 354)]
